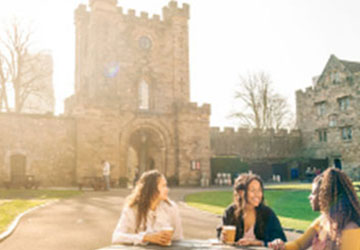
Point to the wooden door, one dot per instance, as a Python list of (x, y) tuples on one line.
[(18, 169)]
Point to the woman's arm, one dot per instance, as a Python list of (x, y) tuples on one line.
[(302, 243), (273, 229), (226, 219), (305, 240), (125, 230), (178, 231)]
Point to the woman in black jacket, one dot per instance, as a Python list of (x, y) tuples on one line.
[(256, 224)]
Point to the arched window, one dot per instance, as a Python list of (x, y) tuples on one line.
[(143, 95)]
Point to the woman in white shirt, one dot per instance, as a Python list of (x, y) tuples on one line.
[(147, 213)]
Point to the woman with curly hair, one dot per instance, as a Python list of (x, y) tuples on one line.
[(256, 224), (338, 225), (147, 212)]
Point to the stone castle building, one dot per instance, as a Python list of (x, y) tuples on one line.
[(328, 115), (131, 105)]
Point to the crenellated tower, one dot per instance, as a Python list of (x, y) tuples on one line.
[(131, 62), (132, 93)]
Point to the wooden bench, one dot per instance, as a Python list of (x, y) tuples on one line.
[(28, 182), (95, 182)]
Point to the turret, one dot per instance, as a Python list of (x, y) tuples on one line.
[(104, 5), (178, 20)]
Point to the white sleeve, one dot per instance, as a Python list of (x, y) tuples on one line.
[(125, 229), (178, 231)]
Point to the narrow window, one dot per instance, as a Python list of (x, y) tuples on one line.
[(321, 108), (344, 103), (143, 96), (346, 133), (332, 121), (322, 135)]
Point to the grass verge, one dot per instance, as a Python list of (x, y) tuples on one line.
[(291, 206), (14, 202)]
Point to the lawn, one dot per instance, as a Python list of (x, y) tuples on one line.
[(15, 202), (291, 205)]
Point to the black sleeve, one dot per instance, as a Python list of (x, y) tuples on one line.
[(226, 219), (273, 229)]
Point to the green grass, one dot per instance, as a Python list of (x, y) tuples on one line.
[(291, 205), (10, 209), (14, 202), (296, 186)]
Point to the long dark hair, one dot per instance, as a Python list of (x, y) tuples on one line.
[(145, 191), (241, 184), (339, 202)]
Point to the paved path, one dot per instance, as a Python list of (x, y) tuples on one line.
[(86, 222)]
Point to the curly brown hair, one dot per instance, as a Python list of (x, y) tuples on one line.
[(144, 193), (339, 203)]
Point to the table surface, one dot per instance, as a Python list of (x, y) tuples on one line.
[(184, 244)]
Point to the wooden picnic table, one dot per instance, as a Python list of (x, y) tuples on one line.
[(184, 244)]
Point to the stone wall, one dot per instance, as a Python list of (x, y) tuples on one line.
[(47, 142), (193, 131), (255, 144)]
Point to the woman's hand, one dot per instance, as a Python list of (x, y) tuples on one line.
[(246, 242), (277, 244), (162, 238), (223, 236)]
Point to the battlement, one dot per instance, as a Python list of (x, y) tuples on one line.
[(192, 107), (144, 16), (111, 5), (308, 90), (81, 13), (245, 132), (173, 10), (103, 5)]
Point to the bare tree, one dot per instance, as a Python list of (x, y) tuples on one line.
[(21, 70), (261, 107), (3, 90)]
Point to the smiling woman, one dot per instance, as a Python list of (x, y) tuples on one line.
[(256, 224)]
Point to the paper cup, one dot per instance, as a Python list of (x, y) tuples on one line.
[(171, 232), (230, 234)]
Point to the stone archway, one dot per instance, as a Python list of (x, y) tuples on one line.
[(145, 145), (148, 147)]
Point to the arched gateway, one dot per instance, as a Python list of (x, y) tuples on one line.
[(145, 146)]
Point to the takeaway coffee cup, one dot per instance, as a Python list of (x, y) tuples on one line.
[(229, 234), (170, 230)]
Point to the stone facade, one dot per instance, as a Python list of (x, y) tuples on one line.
[(131, 105), (132, 101), (328, 115)]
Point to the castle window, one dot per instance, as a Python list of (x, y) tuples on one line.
[(322, 135), (332, 121), (321, 108), (143, 96), (346, 133), (335, 77), (344, 103)]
